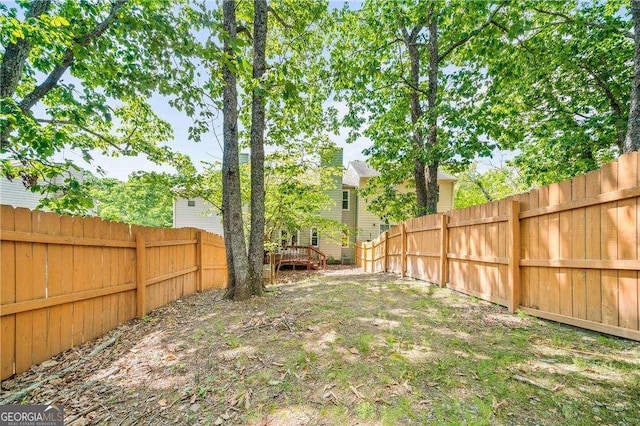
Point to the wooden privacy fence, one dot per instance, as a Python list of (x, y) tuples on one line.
[(67, 280), (567, 252)]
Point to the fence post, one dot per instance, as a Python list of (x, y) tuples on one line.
[(403, 250), (200, 272), (513, 244), (141, 278), (444, 242), (386, 251)]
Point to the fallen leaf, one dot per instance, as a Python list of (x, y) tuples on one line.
[(354, 351), (170, 357), (218, 421), (162, 402), (432, 384)]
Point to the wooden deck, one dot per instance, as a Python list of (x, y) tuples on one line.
[(305, 256)]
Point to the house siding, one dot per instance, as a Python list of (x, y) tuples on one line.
[(445, 201), (332, 249), (201, 216), (14, 193)]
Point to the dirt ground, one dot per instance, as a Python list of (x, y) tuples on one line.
[(340, 347)]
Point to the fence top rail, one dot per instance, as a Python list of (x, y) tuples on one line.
[(31, 237), (622, 194), (480, 221)]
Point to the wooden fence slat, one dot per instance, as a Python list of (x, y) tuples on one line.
[(39, 344), (578, 249), (53, 286), (66, 280), (514, 257), (7, 294), (24, 274), (141, 276)]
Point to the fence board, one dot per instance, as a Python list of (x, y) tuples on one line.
[(7, 294), (39, 345), (578, 250)]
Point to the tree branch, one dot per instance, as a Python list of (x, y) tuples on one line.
[(569, 19), (81, 127), (469, 36), (279, 18), (52, 79)]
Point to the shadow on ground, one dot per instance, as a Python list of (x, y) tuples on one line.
[(342, 347)]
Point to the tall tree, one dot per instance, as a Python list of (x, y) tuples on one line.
[(232, 221), (632, 139), (256, 237), (399, 69), (559, 85), (77, 76)]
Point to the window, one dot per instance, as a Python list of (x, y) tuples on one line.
[(384, 227), (345, 238), (191, 203), (284, 239), (345, 200), (314, 237)]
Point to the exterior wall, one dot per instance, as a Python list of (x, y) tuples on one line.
[(445, 201), (330, 248), (16, 195), (369, 224), (200, 216), (349, 218), (13, 193)]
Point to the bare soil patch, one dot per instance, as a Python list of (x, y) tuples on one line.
[(340, 347)]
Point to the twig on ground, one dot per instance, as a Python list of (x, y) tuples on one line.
[(531, 382)]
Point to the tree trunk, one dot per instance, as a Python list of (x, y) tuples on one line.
[(232, 200), (256, 238), (416, 115), (432, 138), (632, 141), (13, 60)]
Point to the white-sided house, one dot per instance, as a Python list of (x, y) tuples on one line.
[(196, 213), (13, 192), (348, 208)]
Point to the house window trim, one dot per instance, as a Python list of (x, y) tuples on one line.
[(348, 200), (311, 232), (191, 203)]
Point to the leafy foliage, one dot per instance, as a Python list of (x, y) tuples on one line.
[(412, 86), (78, 76), (145, 199), (475, 188), (560, 86)]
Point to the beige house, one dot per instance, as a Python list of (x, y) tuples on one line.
[(348, 208), (364, 224)]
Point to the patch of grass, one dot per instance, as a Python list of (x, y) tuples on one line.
[(366, 410), (364, 343)]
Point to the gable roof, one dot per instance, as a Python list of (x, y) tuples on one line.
[(364, 170)]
